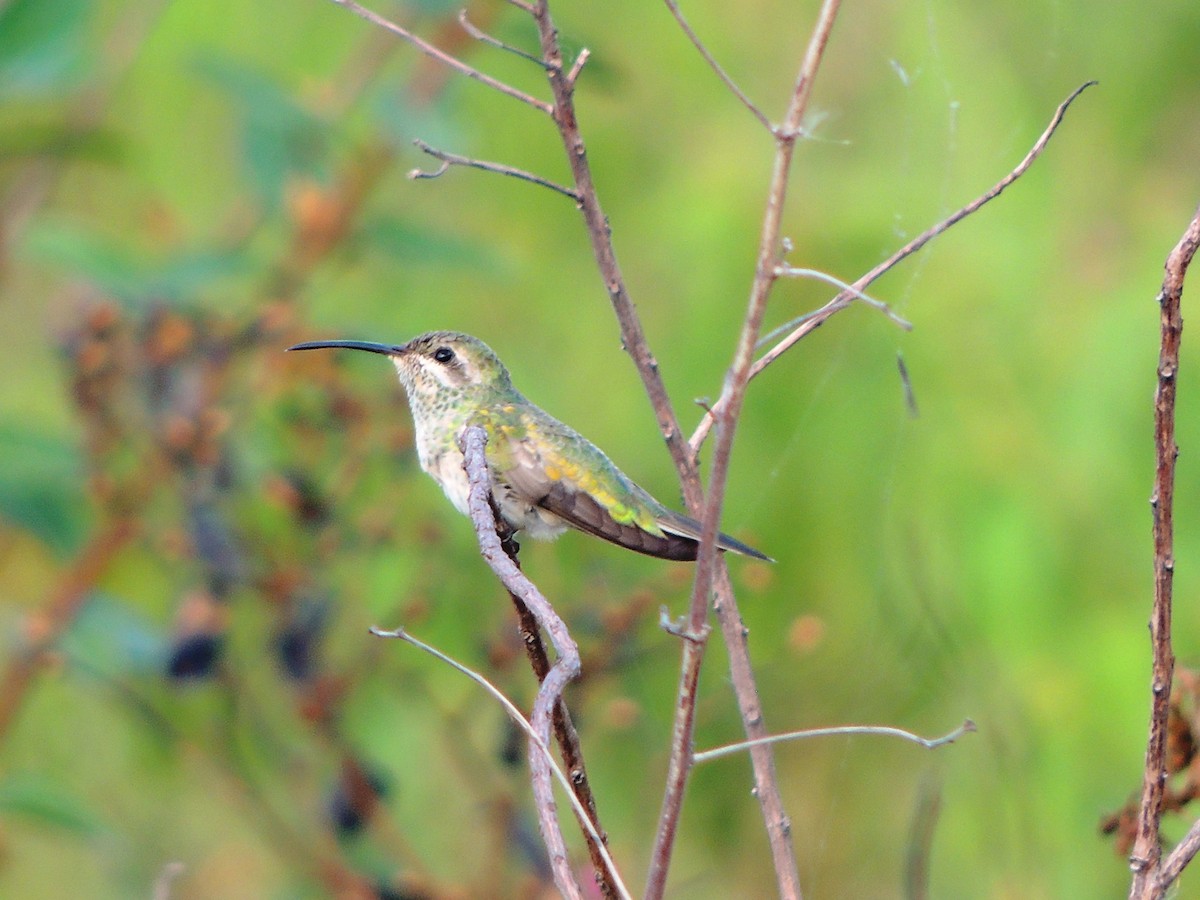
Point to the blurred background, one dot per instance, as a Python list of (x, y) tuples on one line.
[(201, 529)]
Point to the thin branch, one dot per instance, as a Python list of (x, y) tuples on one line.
[(580, 61), (453, 159), (815, 319), (633, 337), (441, 56), (1147, 879), (515, 714), (966, 727), (1177, 860), (673, 6), (479, 502), (486, 38), (785, 271)]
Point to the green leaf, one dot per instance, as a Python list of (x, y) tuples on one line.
[(41, 486), (279, 137), (409, 244), (41, 45), (43, 801), (109, 636), (129, 278)]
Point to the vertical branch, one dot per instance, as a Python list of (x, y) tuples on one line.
[(562, 86), (1146, 850), (710, 567)]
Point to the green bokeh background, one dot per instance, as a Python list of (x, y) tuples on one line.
[(989, 558)]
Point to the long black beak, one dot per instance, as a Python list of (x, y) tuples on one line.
[(385, 349)]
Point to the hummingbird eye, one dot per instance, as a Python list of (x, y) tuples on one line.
[(443, 354)]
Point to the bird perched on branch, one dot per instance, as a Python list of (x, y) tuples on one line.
[(546, 477)]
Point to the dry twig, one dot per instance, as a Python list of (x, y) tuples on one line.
[(809, 323), (1150, 878)]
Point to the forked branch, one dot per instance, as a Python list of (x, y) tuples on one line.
[(810, 322), (441, 56)]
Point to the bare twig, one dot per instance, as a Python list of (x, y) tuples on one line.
[(1184, 852), (813, 320), (710, 567), (535, 739), (486, 38), (633, 337), (580, 61), (441, 56), (966, 727), (673, 6), (1148, 876), (473, 441), (453, 159), (784, 271)]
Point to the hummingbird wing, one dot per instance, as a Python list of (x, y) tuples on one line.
[(564, 473)]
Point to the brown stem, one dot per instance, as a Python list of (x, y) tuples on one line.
[(632, 336), (47, 625), (710, 567), (1147, 876)]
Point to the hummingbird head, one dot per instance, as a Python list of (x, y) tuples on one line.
[(437, 367)]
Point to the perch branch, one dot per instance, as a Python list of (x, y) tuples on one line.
[(966, 727), (1144, 861), (564, 728), (813, 320), (441, 56), (473, 441), (453, 159)]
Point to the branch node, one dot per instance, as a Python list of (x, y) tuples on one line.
[(577, 66), (482, 36), (679, 628)]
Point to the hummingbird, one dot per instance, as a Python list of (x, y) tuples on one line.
[(546, 477)]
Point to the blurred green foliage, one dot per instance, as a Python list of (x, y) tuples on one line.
[(207, 527)]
